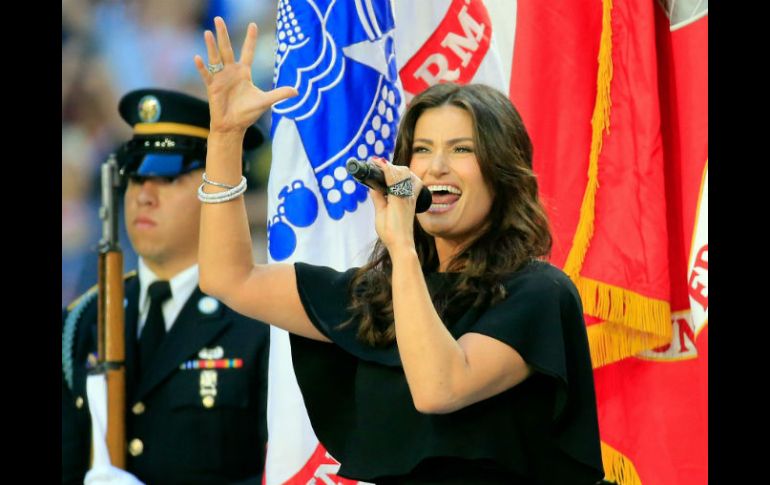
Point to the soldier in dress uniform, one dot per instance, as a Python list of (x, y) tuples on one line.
[(196, 371)]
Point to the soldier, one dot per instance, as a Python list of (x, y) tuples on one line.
[(196, 371)]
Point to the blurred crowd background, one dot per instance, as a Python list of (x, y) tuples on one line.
[(110, 47)]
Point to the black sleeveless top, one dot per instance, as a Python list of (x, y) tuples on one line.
[(542, 431)]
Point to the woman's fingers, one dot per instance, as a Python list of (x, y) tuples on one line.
[(378, 199), (223, 41), (249, 45), (279, 94), (201, 66), (393, 173), (211, 48), (397, 173), (219, 50)]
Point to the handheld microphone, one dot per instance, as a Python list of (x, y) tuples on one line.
[(370, 175)]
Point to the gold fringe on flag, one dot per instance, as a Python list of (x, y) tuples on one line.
[(600, 121), (634, 322), (610, 342), (618, 468)]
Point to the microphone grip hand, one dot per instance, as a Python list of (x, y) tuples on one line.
[(370, 175)]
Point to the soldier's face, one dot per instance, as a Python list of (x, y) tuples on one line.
[(162, 219)]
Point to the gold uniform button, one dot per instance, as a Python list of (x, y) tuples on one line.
[(208, 401), (138, 408), (79, 402), (136, 447)]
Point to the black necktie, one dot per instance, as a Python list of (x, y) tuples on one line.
[(155, 327)]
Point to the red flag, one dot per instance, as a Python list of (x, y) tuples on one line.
[(585, 80), (653, 408), (614, 97)]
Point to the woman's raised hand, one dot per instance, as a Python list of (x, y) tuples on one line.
[(235, 102)]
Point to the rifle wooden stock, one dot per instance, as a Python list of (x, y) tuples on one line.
[(111, 346), (112, 351)]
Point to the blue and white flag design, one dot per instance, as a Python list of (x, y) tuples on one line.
[(340, 56)]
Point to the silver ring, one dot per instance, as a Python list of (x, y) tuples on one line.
[(403, 188), (215, 68)]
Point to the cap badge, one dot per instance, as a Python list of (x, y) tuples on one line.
[(149, 109)]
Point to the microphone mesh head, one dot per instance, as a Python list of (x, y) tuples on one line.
[(355, 167)]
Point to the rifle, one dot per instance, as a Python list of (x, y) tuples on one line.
[(111, 348)]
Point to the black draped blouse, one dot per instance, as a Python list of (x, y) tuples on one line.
[(542, 431)]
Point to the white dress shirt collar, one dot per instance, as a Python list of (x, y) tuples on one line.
[(183, 285)]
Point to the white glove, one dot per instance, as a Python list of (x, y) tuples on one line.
[(110, 475), (102, 472)]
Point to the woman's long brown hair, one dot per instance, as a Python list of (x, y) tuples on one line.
[(515, 231)]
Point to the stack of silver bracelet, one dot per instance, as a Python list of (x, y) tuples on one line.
[(231, 193)]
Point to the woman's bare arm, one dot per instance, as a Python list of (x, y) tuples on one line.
[(227, 269)]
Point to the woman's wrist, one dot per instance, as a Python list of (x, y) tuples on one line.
[(226, 136), (403, 253), (223, 159)]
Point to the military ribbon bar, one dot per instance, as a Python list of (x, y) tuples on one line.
[(212, 364)]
